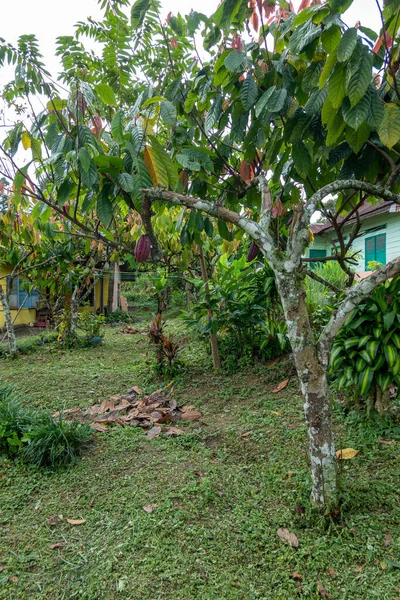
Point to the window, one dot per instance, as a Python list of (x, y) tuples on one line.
[(316, 254), (19, 298), (375, 249)]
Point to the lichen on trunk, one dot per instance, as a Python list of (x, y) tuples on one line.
[(11, 338), (313, 379)]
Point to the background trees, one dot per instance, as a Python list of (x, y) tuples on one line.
[(251, 130)]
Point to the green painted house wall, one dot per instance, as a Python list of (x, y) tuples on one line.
[(378, 240)]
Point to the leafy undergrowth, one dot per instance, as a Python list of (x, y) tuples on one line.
[(193, 517)]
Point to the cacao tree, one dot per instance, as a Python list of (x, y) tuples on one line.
[(251, 130)]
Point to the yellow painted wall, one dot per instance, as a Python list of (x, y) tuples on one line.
[(26, 315)]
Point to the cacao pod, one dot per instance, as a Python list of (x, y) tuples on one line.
[(143, 248), (252, 253)]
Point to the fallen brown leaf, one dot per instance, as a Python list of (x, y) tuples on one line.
[(13, 579), (246, 434), (388, 539), (173, 431), (322, 591), (288, 537), (275, 412), (52, 521), (99, 427), (109, 417), (191, 416), (300, 509), (136, 388), (186, 408), (107, 405), (150, 508), (297, 576), (154, 432), (332, 572), (55, 546), (76, 521), (358, 570), (280, 386), (386, 442)]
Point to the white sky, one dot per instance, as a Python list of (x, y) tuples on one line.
[(48, 19)]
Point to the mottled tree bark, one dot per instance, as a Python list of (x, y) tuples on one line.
[(313, 380), (12, 341)]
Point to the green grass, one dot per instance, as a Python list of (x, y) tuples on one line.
[(221, 497)]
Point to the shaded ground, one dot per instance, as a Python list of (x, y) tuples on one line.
[(220, 495)]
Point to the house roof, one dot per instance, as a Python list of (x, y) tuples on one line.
[(366, 211)]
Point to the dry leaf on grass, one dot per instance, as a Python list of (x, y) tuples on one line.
[(387, 540), (52, 521), (386, 442), (76, 521), (173, 431), (346, 453), (297, 576), (322, 591), (191, 416), (13, 579), (280, 386), (275, 412), (288, 537), (55, 546), (154, 432), (150, 508), (246, 434), (105, 406), (137, 389)]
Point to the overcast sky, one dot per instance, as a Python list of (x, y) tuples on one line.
[(48, 19)]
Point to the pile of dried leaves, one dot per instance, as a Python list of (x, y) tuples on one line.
[(158, 412)]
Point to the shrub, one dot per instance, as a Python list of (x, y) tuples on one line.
[(321, 300), (166, 348), (55, 443), (247, 314), (366, 351), (35, 435), (119, 316)]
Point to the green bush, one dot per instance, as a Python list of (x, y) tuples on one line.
[(366, 351), (35, 435), (119, 316), (321, 300), (247, 313), (55, 443)]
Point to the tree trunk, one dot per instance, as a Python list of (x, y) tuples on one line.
[(313, 378), (382, 401), (74, 306), (213, 335), (12, 342)]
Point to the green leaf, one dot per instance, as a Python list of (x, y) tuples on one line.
[(249, 92), (106, 94), (357, 139), (389, 128), (391, 354), (235, 61), (330, 38), (361, 79), (85, 159), (56, 104), (302, 36), (138, 12), (376, 109), (226, 12), (164, 158), (224, 231), (355, 116), (316, 101), (384, 380), (126, 182), (365, 380), (327, 70), (168, 113), (208, 227), (336, 86), (91, 176), (302, 159), (388, 320), (372, 348), (340, 6), (396, 340), (347, 44), (104, 209), (64, 191), (117, 126), (213, 114)]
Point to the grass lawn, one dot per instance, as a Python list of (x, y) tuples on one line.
[(220, 495)]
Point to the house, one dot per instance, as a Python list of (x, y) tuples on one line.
[(378, 239), (25, 308)]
